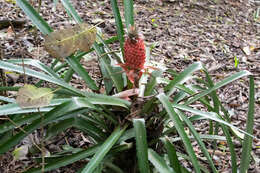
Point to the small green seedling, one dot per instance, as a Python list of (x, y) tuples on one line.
[(236, 61)]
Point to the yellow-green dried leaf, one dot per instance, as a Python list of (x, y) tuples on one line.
[(30, 96), (21, 152), (65, 42)]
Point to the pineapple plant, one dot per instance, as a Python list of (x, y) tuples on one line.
[(146, 138)]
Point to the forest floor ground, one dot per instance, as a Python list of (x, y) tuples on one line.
[(214, 32)]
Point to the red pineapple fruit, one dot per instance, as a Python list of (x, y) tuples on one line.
[(134, 56), (134, 50)]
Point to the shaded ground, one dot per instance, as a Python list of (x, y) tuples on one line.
[(184, 31)]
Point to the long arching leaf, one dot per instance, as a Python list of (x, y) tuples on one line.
[(180, 128), (37, 20), (103, 150), (141, 144)]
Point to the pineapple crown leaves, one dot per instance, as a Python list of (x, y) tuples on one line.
[(133, 33)]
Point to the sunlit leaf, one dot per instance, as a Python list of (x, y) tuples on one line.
[(65, 42), (11, 1), (30, 96), (238, 133)]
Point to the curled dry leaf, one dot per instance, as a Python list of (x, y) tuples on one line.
[(30, 96), (65, 42), (127, 93), (246, 50), (21, 152)]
